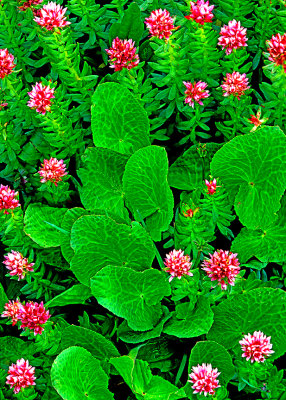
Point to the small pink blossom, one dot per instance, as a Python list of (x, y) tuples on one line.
[(277, 49), (235, 84), (17, 264), (178, 264), (195, 92), (256, 347), (20, 375), (52, 170), (29, 4), (211, 186), (51, 16), (7, 199), (232, 36), (201, 12), (222, 265), (33, 316), (160, 24), (6, 63), (12, 310), (3, 105), (40, 98), (122, 54), (204, 379)]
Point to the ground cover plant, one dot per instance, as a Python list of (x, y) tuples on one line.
[(142, 206)]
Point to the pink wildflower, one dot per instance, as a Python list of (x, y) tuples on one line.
[(195, 92), (29, 4), (235, 84), (178, 264), (40, 98), (256, 347), (3, 105), (7, 199), (204, 379), (17, 264), (160, 24), (52, 170), (256, 121), (201, 12), (52, 16), (20, 375), (122, 54), (277, 49), (12, 310), (6, 63), (221, 265), (211, 186), (33, 316), (232, 36)]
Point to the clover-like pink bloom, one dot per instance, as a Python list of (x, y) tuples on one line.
[(6, 63), (211, 186), (122, 54), (33, 316), (12, 310), (204, 379), (40, 98), (178, 264), (232, 36), (2, 105), (195, 92), (52, 170), (256, 347), (17, 264), (20, 375), (201, 12), (30, 4), (160, 24), (7, 199), (277, 49), (222, 265), (51, 16), (235, 84)]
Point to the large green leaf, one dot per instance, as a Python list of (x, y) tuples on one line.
[(3, 299), (261, 309), (77, 294), (77, 375), (101, 178), (43, 224), (132, 295), (147, 190), (99, 241), (118, 121), (253, 169)]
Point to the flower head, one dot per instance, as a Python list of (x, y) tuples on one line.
[(52, 170), (7, 199), (178, 264), (12, 310), (3, 105), (6, 63), (20, 375), (17, 264), (222, 265), (195, 92), (201, 12), (256, 347), (160, 24), (33, 316), (122, 54), (204, 379), (29, 4), (277, 49), (211, 186), (256, 121), (51, 16), (235, 84), (40, 98), (232, 36)]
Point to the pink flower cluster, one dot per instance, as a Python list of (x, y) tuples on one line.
[(211, 186), (277, 49), (17, 264), (51, 16), (52, 170), (6, 63), (7, 199), (201, 12), (204, 379), (256, 347), (195, 92), (235, 84), (32, 315), (20, 375), (40, 98), (178, 264), (122, 54), (160, 24), (232, 36)]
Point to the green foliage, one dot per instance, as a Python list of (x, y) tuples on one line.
[(77, 294)]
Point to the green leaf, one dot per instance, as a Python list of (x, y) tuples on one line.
[(43, 224), (3, 299), (77, 375), (147, 190), (77, 294), (251, 167), (101, 178), (13, 348), (161, 389), (262, 309), (99, 241), (132, 295), (118, 121)]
